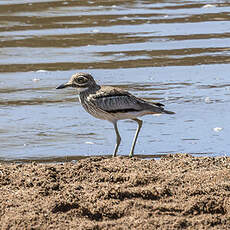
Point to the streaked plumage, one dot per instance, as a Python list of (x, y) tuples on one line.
[(112, 104)]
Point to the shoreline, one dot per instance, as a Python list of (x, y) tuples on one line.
[(76, 158), (177, 191)]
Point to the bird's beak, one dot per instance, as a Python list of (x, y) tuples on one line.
[(62, 86)]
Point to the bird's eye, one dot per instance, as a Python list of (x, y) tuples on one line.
[(81, 80)]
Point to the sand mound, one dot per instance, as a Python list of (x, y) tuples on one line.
[(177, 191)]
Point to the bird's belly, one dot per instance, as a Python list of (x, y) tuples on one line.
[(97, 113), (129, 115)]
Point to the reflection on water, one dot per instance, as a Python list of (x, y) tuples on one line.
[(174, 52)]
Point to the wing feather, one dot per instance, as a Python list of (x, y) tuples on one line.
[(116, 100)]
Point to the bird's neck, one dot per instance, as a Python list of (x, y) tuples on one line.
[(83, 95), (89, 90)]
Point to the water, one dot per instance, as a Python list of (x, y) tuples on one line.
[(173, 52)]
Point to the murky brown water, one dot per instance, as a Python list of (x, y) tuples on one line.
[(175, 52)]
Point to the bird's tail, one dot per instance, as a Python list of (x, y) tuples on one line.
[(168, 112)]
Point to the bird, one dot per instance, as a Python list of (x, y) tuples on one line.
[(112, 104)]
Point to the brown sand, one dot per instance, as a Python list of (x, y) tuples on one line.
[(175, 192)]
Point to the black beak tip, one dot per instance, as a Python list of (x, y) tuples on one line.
[(60, 86)]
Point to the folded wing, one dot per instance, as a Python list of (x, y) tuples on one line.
[(121, 101)]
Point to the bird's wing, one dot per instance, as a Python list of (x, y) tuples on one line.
[(116, 101)]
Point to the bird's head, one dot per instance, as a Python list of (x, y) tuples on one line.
[(80, 81)]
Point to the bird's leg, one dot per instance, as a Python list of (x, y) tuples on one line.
[(139, 122), (118, 139)]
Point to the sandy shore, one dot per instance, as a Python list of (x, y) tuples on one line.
[(175, 192)]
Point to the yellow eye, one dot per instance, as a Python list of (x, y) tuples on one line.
[(81, 80)]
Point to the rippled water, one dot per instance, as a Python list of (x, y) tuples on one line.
[(174, 52)]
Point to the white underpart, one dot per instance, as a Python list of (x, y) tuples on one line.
[(128, 115)]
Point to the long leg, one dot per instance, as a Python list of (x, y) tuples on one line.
[(139, 122), (118, 137)]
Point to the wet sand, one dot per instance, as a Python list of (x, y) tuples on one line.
[(175, 192)]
